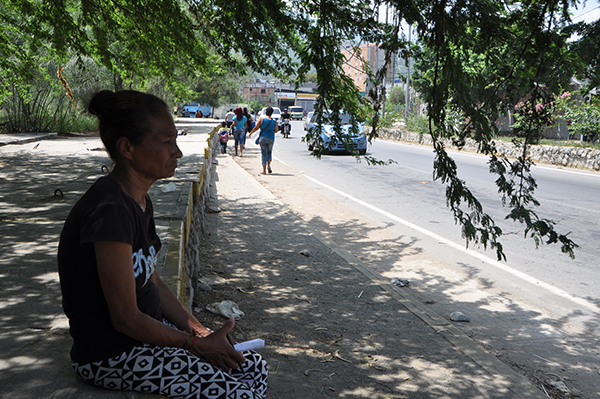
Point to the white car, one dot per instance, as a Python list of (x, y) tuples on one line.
[(276, 114), (307, 120)]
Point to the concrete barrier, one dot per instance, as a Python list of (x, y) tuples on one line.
[(570, 157)]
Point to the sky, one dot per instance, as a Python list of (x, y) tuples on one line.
[(588, 13)]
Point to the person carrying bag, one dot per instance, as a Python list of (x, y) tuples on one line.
[(268, 127)]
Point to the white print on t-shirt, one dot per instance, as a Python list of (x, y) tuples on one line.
[(141, 262)]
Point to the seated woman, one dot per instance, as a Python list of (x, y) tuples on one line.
[(130, 332)]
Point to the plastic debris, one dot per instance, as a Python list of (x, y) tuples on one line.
[(202, 286), (561, 386), (546, 360), (400, 282), (226, 308), (212, 279), (459, 316), (168, 188)]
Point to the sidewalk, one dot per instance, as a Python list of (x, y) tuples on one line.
[(42, 177), (333, 327)]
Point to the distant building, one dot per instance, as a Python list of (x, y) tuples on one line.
[(361, 59), (282, 95), (261, 92)]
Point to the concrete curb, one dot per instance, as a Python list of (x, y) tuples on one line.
[(174, 272), (32, 139)]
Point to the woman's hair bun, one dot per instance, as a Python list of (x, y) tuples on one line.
[(98, 102)]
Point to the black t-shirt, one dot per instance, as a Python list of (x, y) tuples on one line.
[(104, 213)]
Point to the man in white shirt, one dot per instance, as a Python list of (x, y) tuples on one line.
[(229, 118)]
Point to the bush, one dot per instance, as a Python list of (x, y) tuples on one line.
[(397, 97), (583, 119), (256, 106), (43, 104), (417, 124), (75, 122), (390, 118)]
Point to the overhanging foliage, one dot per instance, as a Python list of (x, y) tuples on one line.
[(477, 58)]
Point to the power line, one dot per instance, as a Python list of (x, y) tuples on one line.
[(587, 12)]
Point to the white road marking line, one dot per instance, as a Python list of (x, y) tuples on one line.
[(470, 252)]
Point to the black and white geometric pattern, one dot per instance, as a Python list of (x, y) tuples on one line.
[(176, 373)]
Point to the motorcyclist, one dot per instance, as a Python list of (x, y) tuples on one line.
[(285, 126)]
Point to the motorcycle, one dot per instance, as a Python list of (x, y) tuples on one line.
[(286, 127)]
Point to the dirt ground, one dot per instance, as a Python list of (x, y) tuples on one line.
[(331, 331)]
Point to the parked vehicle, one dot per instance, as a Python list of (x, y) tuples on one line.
[(193, 108), (296, 112), (285, 127), (307, 120), (327, 136), (276, 114)]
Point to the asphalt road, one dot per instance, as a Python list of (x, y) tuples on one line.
[(403, 195)]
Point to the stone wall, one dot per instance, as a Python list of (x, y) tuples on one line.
[(185, 232), (571, 157), (194, 229)]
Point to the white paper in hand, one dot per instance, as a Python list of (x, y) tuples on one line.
[(249, 345)]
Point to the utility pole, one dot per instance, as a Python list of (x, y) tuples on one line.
[(395, 55), (407, 98), (387, 9)]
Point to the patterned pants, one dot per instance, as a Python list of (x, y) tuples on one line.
[(176, 373)]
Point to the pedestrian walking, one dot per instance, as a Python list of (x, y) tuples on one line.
[(268, 127), (223, 137), (239, 130), (229, 117), (249, 120)]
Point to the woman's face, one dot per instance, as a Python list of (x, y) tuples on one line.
[(156, 157)]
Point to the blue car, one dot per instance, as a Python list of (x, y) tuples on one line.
[(327, 135)]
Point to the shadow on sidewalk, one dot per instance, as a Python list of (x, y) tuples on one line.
[(34, 339), (330, 331)]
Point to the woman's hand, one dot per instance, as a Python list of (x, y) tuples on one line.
[(216, 349)]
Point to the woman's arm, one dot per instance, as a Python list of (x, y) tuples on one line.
[(174, 311), (115, 269)]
